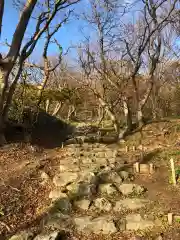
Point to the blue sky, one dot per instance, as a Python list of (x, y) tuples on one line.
[(69, 34)]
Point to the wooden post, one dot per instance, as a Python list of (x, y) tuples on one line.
[(151, 168), (134, 148), (173, 171), (137, 167), (142, 152), (170, 218), (141, 147), (127, 148)]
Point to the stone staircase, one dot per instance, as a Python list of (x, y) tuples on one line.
[(93, 192)]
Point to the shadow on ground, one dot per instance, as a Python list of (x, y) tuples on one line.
[(149, 156), (48, 131)]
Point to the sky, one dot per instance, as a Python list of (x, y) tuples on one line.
[(68, 34)]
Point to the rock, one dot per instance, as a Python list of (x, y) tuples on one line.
[(100, 154), (85, 154), (139, 189), (63, 168), (83, 204), (129, 188), (44, 177), (22, 236), (130, 203), (126, 188), (56, 235), (63, 205), (101, 161), (64, 178), (100, 225), (100, 170), (136, 238), (81, 189), (160, 237), (50, 236), (82, 223), (86, 160), (103, 204), (56, 194), (111, 153), (57, 220), (110, 177), (136, 222), (87, 189), (103, 225), (120, 224), (124, 175), (88, 177), (107, 188)]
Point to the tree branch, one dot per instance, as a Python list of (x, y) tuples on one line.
[(1, 14)]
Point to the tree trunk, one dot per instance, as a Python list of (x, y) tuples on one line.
[(71, 112), (110, 114), (127, 114), (41, 89), (47, 105), (11, 92), (101, 115), (3, 88), (140, 120), (57, 109)]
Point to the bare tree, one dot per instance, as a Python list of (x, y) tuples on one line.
[(101, 65), (147, 38), (20, 53)]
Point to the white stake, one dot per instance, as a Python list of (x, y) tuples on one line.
[(136, 167), (151, 168), (173, 171), (170, 218), (134, 148)]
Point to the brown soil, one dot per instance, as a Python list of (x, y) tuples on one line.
[(23, 198)]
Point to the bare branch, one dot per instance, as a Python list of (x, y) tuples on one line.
[(1, 14)]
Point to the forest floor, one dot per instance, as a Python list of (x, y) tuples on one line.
[(24, 198)]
